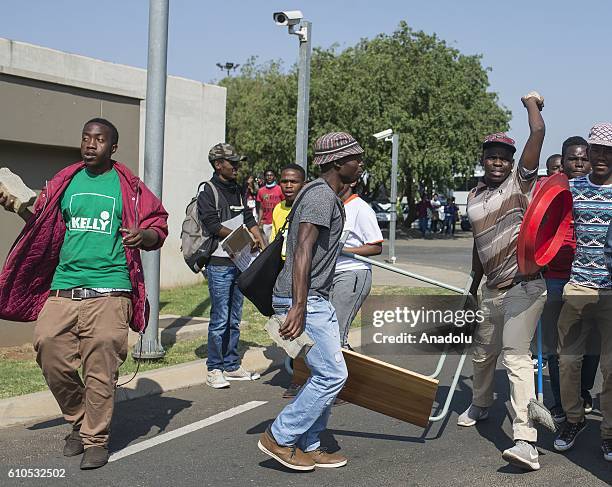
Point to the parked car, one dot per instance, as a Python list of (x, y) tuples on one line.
[(383, 213)]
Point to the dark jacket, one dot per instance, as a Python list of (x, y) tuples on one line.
[(231, 204)]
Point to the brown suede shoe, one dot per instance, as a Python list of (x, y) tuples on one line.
[(289, 456), (73, 445), (291, 391), (327, 460), (94, 457)]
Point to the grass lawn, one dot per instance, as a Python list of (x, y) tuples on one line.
[(21, 375)]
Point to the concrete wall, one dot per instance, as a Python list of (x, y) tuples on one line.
[(195, 120)]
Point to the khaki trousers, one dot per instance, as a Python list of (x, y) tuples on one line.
[(511, 319), (92, 333), (583, 309)]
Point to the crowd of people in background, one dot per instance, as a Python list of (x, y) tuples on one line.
[(437, 217)]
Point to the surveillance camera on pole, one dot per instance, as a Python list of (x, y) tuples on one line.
[(384, 135), (389, 136), (294, 21)]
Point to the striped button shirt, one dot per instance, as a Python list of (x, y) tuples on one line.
[(496, 215), (592, 214)]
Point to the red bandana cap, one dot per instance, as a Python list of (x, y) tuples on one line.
[(499, 138)]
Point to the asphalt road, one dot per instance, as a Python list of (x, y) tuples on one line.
[(437, 252), (382, 451)]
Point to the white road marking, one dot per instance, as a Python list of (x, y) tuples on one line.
[(190, 428)]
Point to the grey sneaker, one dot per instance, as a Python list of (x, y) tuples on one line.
[(472, 415), (215, 379), (523, 455), (241, 374)]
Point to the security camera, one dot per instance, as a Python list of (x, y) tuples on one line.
[(384, 134), (290, 17)]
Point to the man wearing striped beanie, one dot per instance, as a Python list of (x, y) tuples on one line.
[(302, 294)]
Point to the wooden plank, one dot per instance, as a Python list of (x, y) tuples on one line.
[(382, 387)]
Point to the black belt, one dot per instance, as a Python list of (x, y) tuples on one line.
[(78, 294), (518, 280)]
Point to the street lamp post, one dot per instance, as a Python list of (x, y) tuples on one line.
[(302, 28), (148, 346), (389, 136)]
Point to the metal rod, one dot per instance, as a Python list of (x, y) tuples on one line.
[(466, 292), (540, 380), (393, 214), (405, 273), (154, 162), (301, 140), (441, 361), (451, 391)]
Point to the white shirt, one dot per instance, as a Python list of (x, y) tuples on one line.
[(361, 228)]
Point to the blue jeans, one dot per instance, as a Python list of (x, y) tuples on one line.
[(449, 225), (301, 422), (550, 316), (423, 225), (225, 316)]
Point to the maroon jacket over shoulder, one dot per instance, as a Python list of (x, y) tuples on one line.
[(26, 278)]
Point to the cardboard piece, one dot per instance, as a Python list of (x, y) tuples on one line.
[(382, 387), (20, 196), (238, 246)]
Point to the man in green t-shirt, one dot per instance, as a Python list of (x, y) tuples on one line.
[(96, 216)]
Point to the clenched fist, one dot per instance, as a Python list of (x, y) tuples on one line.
[(539, 99)]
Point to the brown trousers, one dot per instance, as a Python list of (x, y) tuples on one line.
[(92, 333), (583, 309)]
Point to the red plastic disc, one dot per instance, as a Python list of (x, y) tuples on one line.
[(545, 225)]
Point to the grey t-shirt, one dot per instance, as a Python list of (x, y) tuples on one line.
[(319, 206)]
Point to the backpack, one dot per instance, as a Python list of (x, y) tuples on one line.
[(197, 244)]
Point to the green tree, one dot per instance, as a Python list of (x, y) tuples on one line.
[(436, 98)]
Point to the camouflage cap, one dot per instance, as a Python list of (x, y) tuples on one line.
[(223, 151)]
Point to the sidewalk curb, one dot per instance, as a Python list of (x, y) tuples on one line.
[(39, 406)]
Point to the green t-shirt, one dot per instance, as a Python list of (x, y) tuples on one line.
[(92, 254)]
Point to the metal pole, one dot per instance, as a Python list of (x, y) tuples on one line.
[(391, 268), (393, 215), (451, 390), (149, 346), (301, 137)]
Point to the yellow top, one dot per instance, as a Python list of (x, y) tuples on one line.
[(279, 215)]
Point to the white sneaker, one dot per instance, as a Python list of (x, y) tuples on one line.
[(523, 455), (472, 415), (215, 379), (535, 365), (241, 374)]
